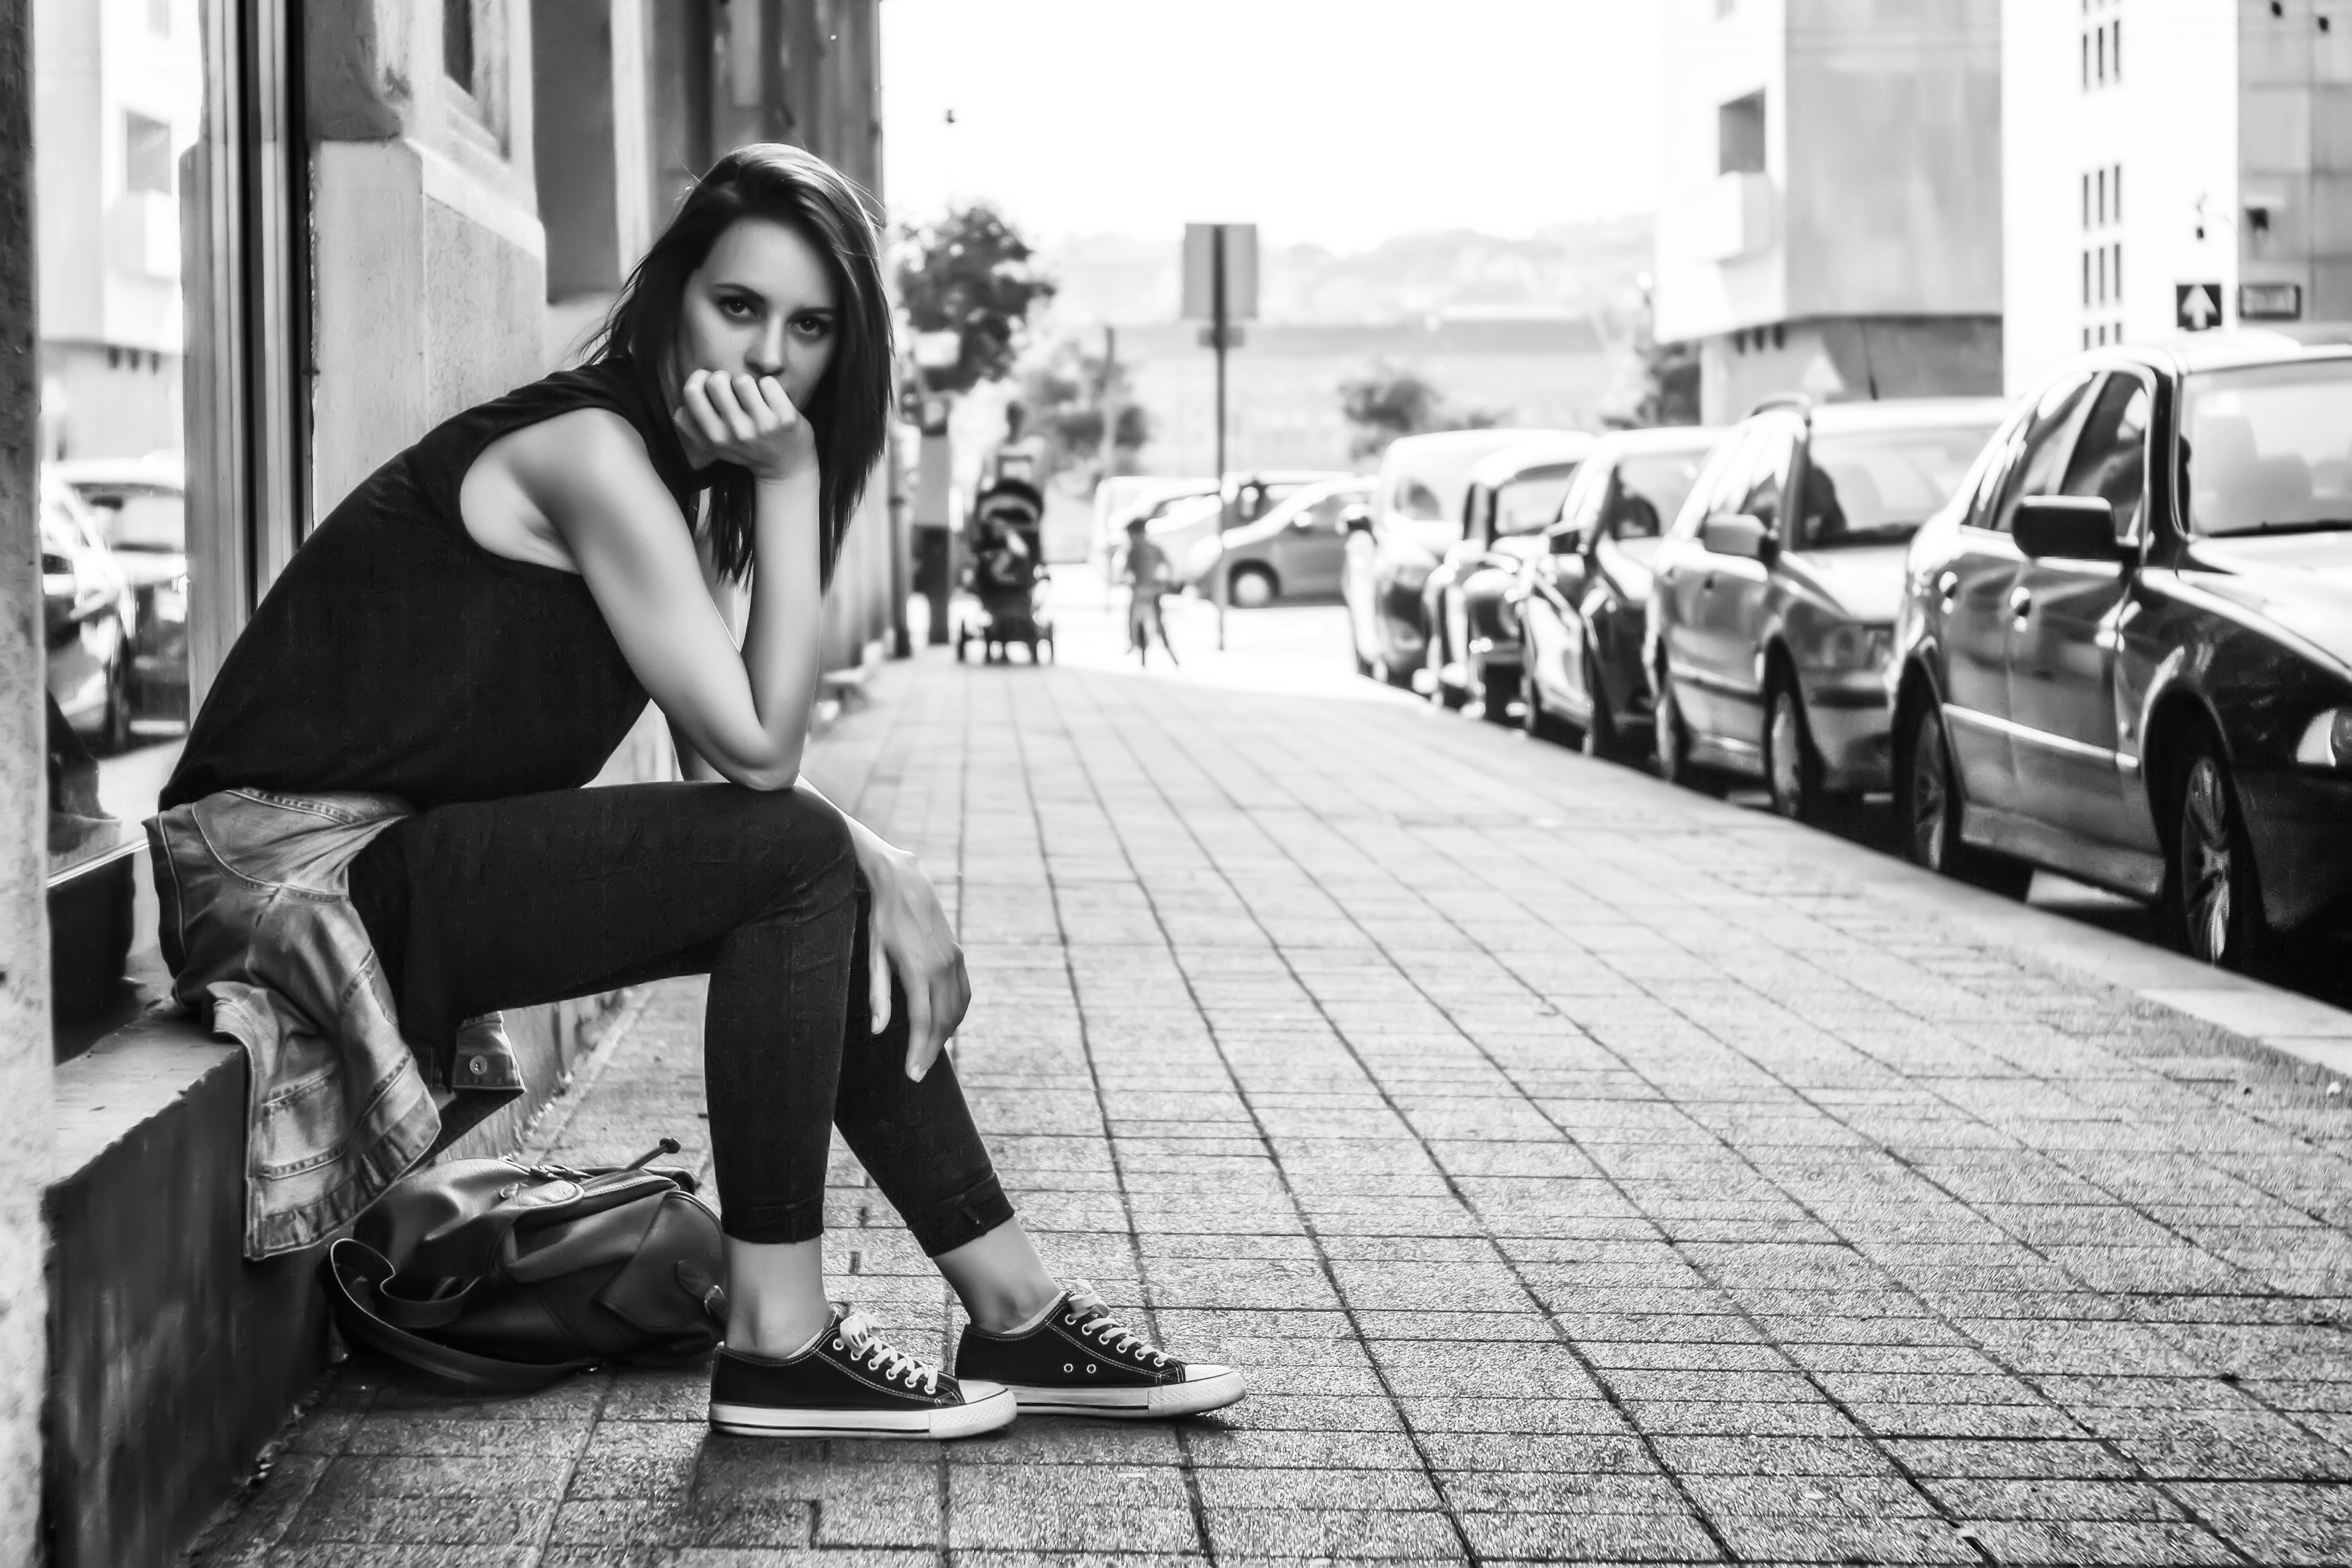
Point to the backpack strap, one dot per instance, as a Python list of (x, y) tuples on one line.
[(354, 1274)]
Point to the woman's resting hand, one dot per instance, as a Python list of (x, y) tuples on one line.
[(747, 421), (913, 941)]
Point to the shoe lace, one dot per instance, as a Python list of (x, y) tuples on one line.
[(870, 1350), (1091, 1317)]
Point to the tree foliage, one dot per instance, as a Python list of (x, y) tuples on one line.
[(1388, 400), (972, 274), (1067, 395), (1669, 374)]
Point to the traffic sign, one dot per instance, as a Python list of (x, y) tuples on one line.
[(2269, 302), (1238, 242), (2197, 307)]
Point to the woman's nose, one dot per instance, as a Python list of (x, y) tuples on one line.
[(767, 355)]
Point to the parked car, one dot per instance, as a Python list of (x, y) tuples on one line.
[(1123, 498), (1293, 552), (2125, 649), (1244, 497), (140, 504), (1473, 657), (86, 609), (1413, 518), (1772, 617), (1581, 602)]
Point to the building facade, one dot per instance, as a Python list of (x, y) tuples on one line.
[(1833, 213), (283, 239), (2172, 165), (117, 98)]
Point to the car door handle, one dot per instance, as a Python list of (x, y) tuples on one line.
[(2021, 602), (1707, 584)]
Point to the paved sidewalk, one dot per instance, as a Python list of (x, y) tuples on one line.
[(1580, 1171)]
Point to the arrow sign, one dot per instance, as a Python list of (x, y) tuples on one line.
[(2197, 307)]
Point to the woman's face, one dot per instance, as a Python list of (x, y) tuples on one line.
[(761, 303)]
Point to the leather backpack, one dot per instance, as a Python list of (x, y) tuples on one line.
[(505, 1277)]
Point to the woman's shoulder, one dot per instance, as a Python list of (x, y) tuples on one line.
[(604, 411)]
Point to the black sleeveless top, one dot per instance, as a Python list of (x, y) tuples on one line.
[(395, 655)]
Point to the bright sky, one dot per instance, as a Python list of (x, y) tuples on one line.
[(1336, 121)]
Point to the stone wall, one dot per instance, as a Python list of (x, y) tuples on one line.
[(25, 1129)]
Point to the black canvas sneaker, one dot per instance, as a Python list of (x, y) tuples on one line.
[(850, 1384), (1081, 1362)]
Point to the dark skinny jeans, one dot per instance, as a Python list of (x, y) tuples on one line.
[(512, 903)]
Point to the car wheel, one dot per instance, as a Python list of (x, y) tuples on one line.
[(1433, 661), (2215, 905), (1793, 768), (1927, 809), (115, 735), (1492, 697), (1250, 588), (1674, 739), (1602, 739)]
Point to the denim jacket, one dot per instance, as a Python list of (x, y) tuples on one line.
[(259, 932)]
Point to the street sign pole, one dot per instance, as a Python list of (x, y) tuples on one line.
[(1217, 313)]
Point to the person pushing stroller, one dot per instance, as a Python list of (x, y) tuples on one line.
[(1144, 568)]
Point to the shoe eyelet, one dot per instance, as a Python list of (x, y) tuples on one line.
[(836, 1344), (1090, 1369), (1067, 1367)]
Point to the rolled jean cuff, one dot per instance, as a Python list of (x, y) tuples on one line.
[(770, 1225), (968, 1215)]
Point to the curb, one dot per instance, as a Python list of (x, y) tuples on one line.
[(2306, 1034)]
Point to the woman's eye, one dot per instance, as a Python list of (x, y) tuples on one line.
[(739, 309), (812, 326)]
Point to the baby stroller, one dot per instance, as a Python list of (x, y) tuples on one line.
[(1007, 574)]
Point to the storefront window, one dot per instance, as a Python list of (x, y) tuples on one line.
[(167, 168), (117, 107)]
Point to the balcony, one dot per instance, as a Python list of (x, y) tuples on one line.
[(1730, 217), (146, 238)]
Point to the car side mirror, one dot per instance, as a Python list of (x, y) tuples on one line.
[(2066, 528), (1357, 519), (1734, 533), (1565, 542)]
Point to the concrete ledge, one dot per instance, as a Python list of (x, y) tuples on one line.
[(171, 1360)]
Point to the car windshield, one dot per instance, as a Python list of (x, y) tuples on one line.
[(2268, 450), (1530, 502), (1877, 487), (155, 521), (1651, 488)]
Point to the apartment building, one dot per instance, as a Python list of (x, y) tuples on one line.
[(2172, 165), (116, 95), (1833, 211)]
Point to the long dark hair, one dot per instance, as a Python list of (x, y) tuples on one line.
[(850, 409)]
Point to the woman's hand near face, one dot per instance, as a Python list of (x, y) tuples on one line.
[(746, 420), (911, 940)]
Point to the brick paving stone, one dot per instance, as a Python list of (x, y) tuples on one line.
[(1581, 1171)]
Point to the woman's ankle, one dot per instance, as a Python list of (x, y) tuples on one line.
[(777, 1335), (1001, 1280), (776, 1304)]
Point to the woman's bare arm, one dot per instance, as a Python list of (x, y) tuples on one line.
[(745, 711)]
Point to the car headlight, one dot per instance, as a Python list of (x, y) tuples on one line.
[(1857, 648), (2326, 741)]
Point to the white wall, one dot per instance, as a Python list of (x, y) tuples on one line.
[(1711, 60), (2171, 122)]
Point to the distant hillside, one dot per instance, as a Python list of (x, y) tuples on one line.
[(1572, 272)]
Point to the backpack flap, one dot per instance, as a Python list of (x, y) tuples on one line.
[(670, 1288)]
